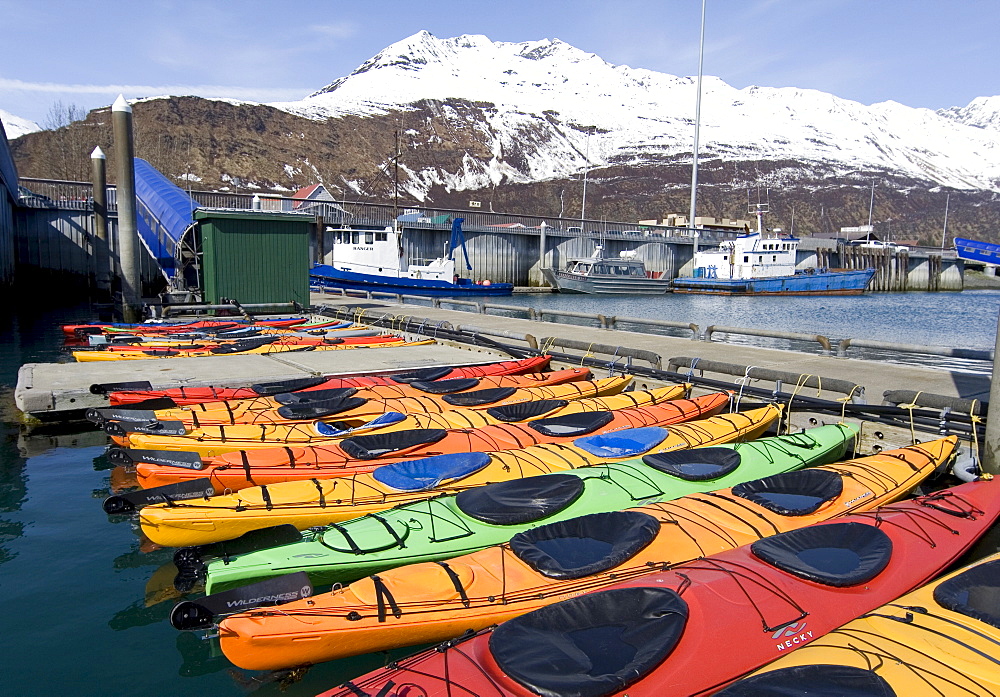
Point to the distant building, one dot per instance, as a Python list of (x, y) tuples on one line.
[(704, 223), (314, 199)]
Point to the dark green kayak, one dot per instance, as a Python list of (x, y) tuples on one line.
[(448, 526)]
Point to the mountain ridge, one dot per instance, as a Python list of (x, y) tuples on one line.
[(518, 124)]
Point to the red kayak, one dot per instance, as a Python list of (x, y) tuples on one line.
[(72, 330), (184, 396), (703, 624)]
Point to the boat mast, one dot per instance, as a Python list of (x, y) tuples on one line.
[(395, 187), (944, 230), (697, 127)]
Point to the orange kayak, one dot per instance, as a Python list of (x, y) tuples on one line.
[(364, 453)]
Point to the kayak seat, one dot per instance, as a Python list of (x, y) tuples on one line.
[(269, 389), (315, 395), (592, 645), (424, 375), (523, 411), (973, 593), (814, 680), (628, 443), (837, 554), (371, 446), (336, 428), (317, 410), (698, 465), (521, 500), (586, 545), (428, 472), (445, 386), (479, 398), (570, 425), (793, 493)]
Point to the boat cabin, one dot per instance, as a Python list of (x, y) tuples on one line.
[(380, 253), (755, 255), (597, 265)]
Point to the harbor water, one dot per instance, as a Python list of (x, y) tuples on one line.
[(85, 605)]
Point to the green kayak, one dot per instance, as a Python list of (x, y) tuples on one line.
[(449, 526)]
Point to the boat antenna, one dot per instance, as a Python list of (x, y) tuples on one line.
[(697, 127)]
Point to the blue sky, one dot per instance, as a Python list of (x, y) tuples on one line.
[(921, 53)]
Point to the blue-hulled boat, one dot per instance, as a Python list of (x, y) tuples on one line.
[(372, 260), (764, 263)]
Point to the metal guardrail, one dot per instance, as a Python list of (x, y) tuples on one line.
[(971, 354), (529, 339), (768, 333), (779, 377), (615, 352)]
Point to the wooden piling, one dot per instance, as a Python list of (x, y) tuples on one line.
[(101, 252)]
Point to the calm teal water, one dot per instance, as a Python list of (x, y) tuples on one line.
[(85, 608)]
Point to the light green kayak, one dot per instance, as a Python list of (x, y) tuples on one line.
[(449, 526)]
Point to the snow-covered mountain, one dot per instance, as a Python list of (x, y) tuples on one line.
[(547, 110), (15, 126)]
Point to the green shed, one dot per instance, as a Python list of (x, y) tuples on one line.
[(254, 256)]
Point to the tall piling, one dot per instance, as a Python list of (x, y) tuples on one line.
[(542, 244), (102, 263), (128, 242), (991, 446)]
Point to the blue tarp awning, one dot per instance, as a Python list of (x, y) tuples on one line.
[(163, 214)]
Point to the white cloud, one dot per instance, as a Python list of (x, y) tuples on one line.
[(264, 94), (337, 30)]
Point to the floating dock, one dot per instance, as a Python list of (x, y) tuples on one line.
[(52, 390)]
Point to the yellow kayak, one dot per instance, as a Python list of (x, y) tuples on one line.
[(942, 639), (215, 439), (321, 502)]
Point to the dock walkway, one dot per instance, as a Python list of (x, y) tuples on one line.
[(875, 376)]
